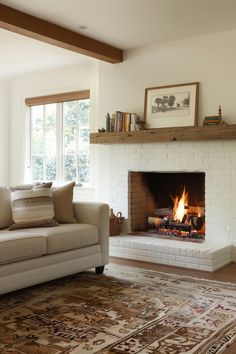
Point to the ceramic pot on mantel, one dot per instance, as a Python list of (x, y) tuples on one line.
[(140, 125)]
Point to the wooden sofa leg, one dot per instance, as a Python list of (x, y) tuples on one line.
[(99, 270)]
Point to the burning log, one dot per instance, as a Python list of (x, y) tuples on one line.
[(168, 224), (179, 226), (182, 221), (196, 210), (164, 212), (197, 222), (155, 220)]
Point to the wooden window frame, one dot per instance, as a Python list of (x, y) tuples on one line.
[(57, 98)]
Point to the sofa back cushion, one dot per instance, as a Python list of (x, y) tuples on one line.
[(5, 203), (32, 208), (20, 187), (39, 185), (5, 208), (63, 203)]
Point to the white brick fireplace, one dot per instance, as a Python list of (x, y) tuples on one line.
[(217, 159)]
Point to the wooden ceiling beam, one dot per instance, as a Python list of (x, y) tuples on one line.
[(22, 23)]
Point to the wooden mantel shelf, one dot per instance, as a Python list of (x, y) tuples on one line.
[(214, 132)]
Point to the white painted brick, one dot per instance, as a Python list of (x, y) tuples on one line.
[(154, 257), (122, 243), (217, 159), (203, 254), (183, 252), (220, 260), (232, 232), (207, 252), (205, 268), (165, 249), (175, 250), (155, 248), (180, 264), (149, 247), (168, 257), (188, 260), (139, 245), (189, 253)]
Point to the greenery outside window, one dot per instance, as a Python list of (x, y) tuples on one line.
[(59, 138)]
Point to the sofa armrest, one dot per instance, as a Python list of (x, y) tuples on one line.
[(96, 214)]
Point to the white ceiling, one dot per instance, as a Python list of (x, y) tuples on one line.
[(21, 54), (125, 24)]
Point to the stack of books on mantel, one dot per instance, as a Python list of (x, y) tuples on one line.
[(120, 122), (212, 120)]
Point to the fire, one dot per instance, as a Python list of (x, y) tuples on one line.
[(179, 206), (199, 212)]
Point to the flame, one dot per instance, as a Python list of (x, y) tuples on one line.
[(199, 212), (179, 206)]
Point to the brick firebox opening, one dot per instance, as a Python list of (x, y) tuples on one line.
[(151, 190)]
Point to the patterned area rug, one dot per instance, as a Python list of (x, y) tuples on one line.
[(126, 310)]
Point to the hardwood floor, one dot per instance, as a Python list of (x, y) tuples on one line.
[(225, 274)]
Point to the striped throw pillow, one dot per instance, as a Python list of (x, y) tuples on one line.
[(32, 208)]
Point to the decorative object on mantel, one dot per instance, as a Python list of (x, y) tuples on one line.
[(171, 106), (139, 124), (214, 120), (116, 222), (102, 130), (108, 121)]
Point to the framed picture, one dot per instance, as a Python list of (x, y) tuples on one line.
[(171, 106)]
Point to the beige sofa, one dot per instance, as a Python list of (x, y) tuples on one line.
[(35, 255)]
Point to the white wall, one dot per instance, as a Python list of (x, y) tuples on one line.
[(208, 59), (4, 132), (77, 77)]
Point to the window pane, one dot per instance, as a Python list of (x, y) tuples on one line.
[(84, 112), (70, 122), (83, 168), (70, 168), (83, 142), (50, 130), (50, 168), (37, 168), (60, 138), (70, 113), (37, 123), (83, 138)]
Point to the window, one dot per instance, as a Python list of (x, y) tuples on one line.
[(59, 138)]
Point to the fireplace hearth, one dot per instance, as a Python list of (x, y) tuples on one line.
[(168, 204)]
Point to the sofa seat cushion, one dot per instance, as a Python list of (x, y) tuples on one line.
[(66, 237), (20, 245)]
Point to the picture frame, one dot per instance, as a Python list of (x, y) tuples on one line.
[(171, 106)]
